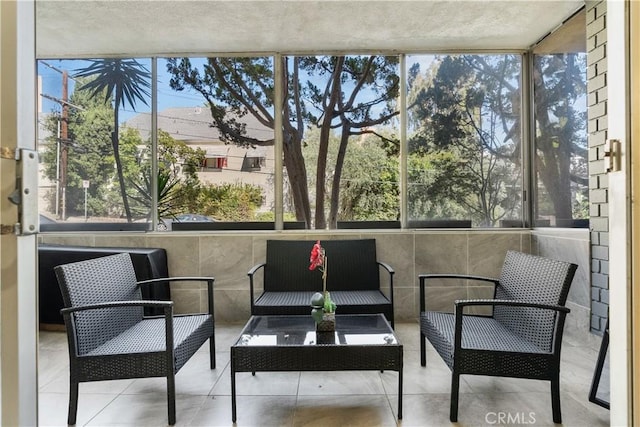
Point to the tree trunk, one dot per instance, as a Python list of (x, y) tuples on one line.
[(296, 170), (115, 141), (553, 157), (325, 133), (337, 175)]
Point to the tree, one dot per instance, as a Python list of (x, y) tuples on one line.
[(559, 83), (350, 93), (123, 81), (468, 106), (369, 183), (89, 153)]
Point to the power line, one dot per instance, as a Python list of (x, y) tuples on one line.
[(62, 101)]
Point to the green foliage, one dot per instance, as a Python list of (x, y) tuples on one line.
[(124, 81), (465, 112), (89, 154), (227, 202), (369, 185)]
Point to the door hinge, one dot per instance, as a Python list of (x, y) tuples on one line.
[(8, 153), (9, 229), (25, 194)]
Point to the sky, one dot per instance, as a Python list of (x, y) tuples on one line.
[(50, 73), (52, 87)]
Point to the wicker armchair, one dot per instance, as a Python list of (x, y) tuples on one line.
[(109, 337), (523, 336)]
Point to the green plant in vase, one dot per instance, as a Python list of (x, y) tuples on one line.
[(322, 307)]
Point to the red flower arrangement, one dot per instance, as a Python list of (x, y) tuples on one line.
[(321, 302)]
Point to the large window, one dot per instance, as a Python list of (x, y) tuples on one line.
[(212, 159), (561, 181), (92, 169), (464, 136), (341, 139), (221, 109)]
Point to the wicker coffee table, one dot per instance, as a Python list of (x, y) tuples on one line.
[(290, 343)]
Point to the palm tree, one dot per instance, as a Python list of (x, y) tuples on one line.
[(127, 81)]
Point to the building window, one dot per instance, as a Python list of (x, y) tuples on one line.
[(254, 159)]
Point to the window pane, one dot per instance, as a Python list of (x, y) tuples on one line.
[(341, 140), (90, 174), (560, 109), (464, 136), (216, 140)]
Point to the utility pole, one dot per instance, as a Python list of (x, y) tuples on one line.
[(64, 142)]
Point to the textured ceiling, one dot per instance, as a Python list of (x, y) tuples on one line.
[(135, 27)]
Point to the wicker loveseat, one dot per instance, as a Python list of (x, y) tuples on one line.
[(523, 336), (353, 278), (109, 337)]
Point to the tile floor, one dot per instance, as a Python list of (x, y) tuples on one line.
[(317, 398)]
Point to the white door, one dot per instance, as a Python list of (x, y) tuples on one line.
[(620, 313), (18, 302)]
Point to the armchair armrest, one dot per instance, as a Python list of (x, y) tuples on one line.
[(114, 304), (513, 303), (255, 268), (207, 279), (175, 279), (424, 277), (251, 273), (391, 272)]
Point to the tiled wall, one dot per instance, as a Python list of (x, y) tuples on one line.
[(228, 256), (571, 245), (598, 179)]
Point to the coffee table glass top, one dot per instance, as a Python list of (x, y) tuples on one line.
[(357, 329)]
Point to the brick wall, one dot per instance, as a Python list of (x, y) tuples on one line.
[(598, 179)]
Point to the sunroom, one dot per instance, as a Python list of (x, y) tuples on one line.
[(449, 132)]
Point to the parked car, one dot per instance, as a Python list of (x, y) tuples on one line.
[(165, 223), (193, 217)]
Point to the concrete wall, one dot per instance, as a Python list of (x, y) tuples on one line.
[(228, 256)]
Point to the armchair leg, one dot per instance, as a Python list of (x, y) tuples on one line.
[(423, 350), (555, 400), (73, 403), (171, 397), (455, 389), (212, 351)]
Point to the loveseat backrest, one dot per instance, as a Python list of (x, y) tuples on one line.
[(534, 279), (94, 281), (351, 265)]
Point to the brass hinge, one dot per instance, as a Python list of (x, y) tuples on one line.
[(9, 229), (9, 153)]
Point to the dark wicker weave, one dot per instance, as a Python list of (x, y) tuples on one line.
[(109, 337), (522, 338), (290, 343), (353, 278)]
